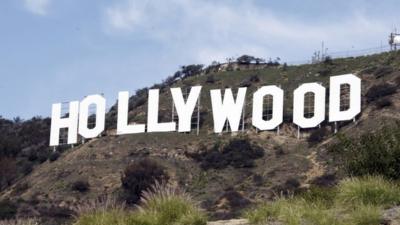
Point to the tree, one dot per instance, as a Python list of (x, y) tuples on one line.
[(274, 62), (246, 59), (259, 60), (177, 74), (191, 70), (215, 63), (141, 175)]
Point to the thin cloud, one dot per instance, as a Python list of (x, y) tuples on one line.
[(124, 17), (38, 7), (205, 29)]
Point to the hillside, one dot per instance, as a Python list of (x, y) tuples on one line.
[(226, 173)]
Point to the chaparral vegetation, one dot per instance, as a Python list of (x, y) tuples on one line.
[(344, 173)]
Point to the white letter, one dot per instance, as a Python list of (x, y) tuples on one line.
[(277, 108), (71, 123), (100, 103), (334, 97), (227, 108), (319, 105), (185, 110), (122, 124), (152, 116)]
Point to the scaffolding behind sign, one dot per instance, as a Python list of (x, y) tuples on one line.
[(63, 138), (394, 40), (309, 105), (344, 97)]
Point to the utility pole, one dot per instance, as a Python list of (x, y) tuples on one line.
[(243, 112), (198, 115)]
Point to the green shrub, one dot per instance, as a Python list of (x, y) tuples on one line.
[(140, 176), (326, 180), (382, 71), (166, 205), (292, 211), (263, 213), (279, 151), (384, 102), (247, 82), (101, 211), (54, 156), (210, 79), (369, 70), (368, 191), (25, 167), (238, 153), (380, 90), (325, 72), (114, 216), (328, 60), (317, 135), (355, 201), (324, 196), (233, 200), (7, 210), (365, 215), (320, 216), (81, 186), (290, 186), (375, 153)]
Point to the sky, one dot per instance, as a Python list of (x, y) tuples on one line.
[(62, 50)]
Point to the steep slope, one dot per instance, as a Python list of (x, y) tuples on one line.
[(286, 163)]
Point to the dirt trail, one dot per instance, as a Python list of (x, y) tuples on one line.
[(316, 170)]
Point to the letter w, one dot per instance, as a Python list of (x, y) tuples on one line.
[(227, 108)]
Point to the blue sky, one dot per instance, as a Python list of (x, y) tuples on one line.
[(61, 50)]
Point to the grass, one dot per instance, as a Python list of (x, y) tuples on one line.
[(370, 190), (162, 205), (365, 215), (292, 211), (112, 216), (372, 153), (355, 201), (101, 211), (19, 222)]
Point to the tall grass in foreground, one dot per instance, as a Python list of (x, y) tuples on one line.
[(19, 222), (161, 205), (101, 211), (355, 201), (369, 190)]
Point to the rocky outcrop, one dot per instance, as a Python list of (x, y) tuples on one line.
[(230, 222), (392, 216)]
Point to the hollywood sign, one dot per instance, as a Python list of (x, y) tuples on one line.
[(225, 108)]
